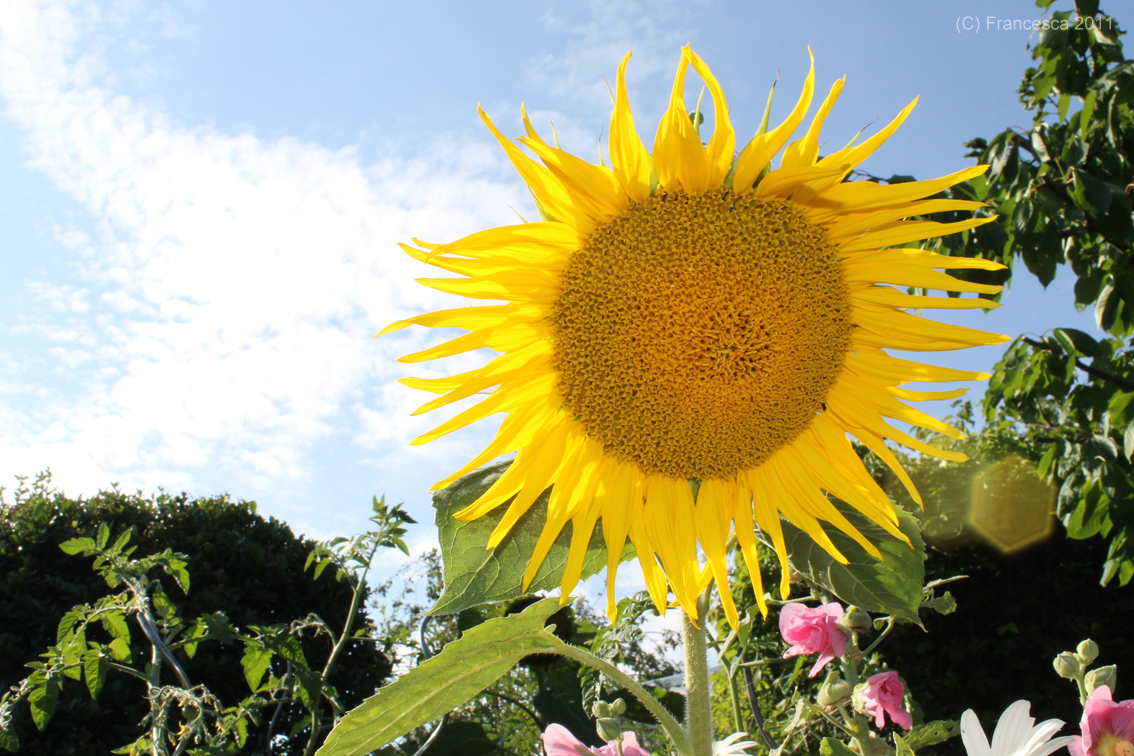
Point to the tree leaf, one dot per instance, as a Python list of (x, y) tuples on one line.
[(1084, 343), (475, 575), (893, 585), (437, 686)]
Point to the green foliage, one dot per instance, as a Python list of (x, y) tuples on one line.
[(1062, 192), (541, 689), (477, 575), (892, 585), (247, 572), (465, 668)]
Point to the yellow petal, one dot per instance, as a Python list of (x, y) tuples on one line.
[(856, 196), (803, 151), (619, 499), (723, 142), (497, 401), (850, 225), (540, 243), (680, 161), (549, 191), (891, 298), (593, 187), (855, 155), (713, 517), (760, 151), (904, 232), (628, 156), (746, 538)]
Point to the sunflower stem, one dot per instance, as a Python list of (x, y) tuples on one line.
[(698, 687)]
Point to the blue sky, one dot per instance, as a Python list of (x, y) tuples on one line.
[(200, 203)]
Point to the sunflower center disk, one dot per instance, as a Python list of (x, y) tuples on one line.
[(696, 335)]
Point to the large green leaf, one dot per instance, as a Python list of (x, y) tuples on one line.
[(477, 575), (437, 686), (892, 585)]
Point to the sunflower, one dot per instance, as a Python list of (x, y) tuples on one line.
[(690, 339)]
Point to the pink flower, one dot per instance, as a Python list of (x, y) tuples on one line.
[(1108, 727), (813, 631), (883, 694), (558, 741)]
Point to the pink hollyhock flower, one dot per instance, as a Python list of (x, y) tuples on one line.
[(558, 741), (813, 631), (1108, 727), (883, 694)]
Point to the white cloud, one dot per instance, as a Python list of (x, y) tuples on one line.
[(224, 296)]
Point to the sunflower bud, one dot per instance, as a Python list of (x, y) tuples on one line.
[(1097, 678), (856, 621), (608, 729), (833, 690), (1067, 665), (1087, 651)]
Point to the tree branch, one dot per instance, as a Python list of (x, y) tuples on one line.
[(1122, 383)]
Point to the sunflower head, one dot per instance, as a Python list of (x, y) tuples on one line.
[(690, 338)]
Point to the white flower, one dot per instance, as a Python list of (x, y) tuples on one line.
[(1016, 734), (730, 747)]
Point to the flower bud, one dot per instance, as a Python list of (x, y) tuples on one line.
[(1087, 651), (617, 707), (601, 710), (1067, 665), (1097, 678), (856, 621), (608, 729), (833, 690)]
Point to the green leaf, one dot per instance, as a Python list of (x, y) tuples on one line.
[(1088, 110), (1128, 441), (893, 585), (120, 650), (437, 686), (1090, 194), (931, 733), (115, 624), (1045, 462), (310, 686), (9, 741), (77, 545), (256, 661), (1084, 343), (122, 540), (95, 668), (901, 748), (43, 697), (832, 747), (1086, 520), (943, 604), (219, 627), (1117, 407), (475, 575), (103, 535)]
